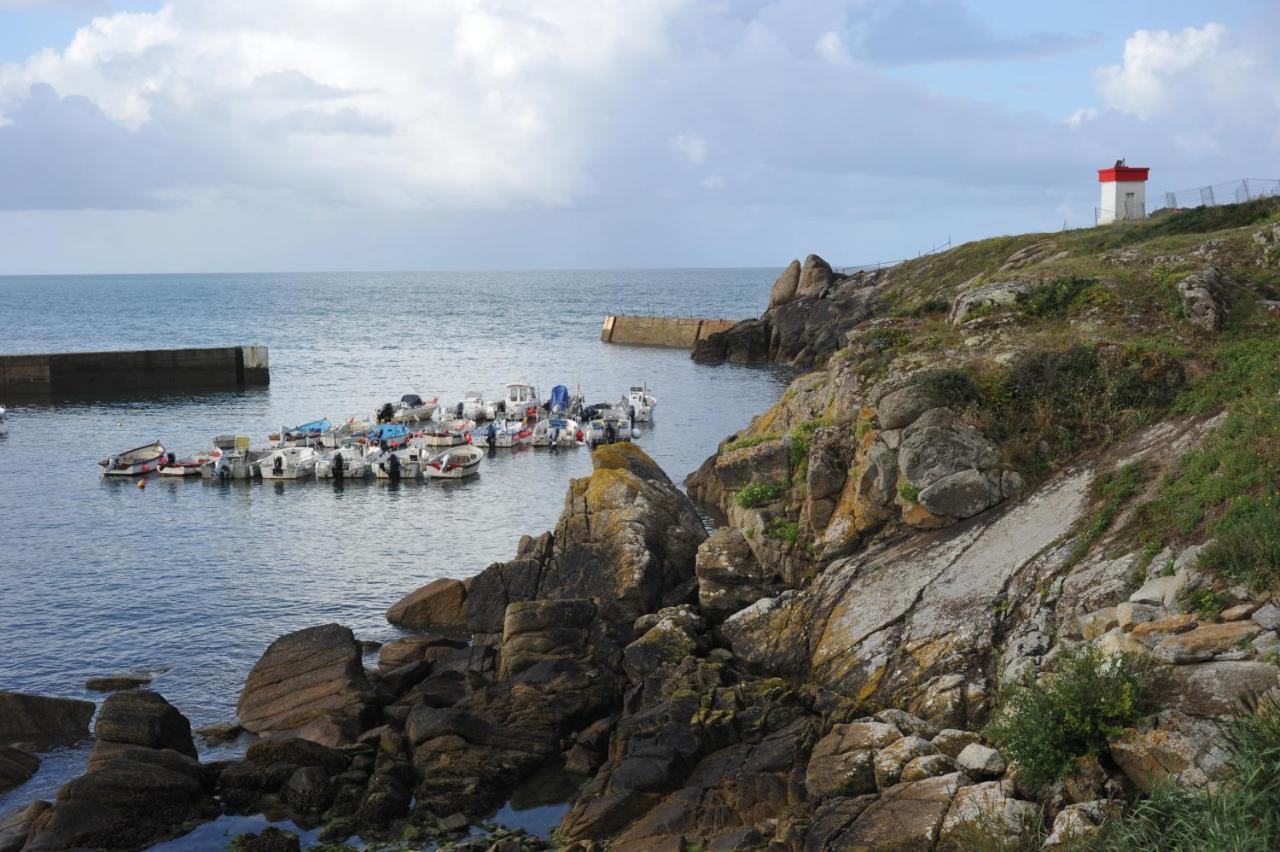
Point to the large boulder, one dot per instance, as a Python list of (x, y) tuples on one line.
[(535, 631), (745, 342), (16, 766), (815, 276), (311, 682), (729, 576), (1177, 747), (784, 289), (40, 719), (439, 605), (136, 790), (142, 717), (16, 825), (906, 816), (997, 294)]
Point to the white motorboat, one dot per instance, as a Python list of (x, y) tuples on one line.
[(136, 462), (521, 402), (232, 458), (408, 462), (474, 407), (639, 404), (504, 434), (353, 461), (449, 433), (556, 432), (454, 463), (414, 409), (610, 424), (288, 463)]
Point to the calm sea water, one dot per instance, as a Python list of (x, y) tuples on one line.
[(195, 579)]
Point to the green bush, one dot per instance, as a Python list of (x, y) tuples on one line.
[(1241, 814), (758, 493), (1056, 298), (784, 529), (1074, 712), (909, 492)]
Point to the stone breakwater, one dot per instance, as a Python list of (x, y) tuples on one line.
[(675, 332), (71, 373)]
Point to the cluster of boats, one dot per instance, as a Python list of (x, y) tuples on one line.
[(412, 438)]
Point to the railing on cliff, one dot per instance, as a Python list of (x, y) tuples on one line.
[(846, 271)]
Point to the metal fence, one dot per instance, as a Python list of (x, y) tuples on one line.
[(1228, 192), (846, 271)]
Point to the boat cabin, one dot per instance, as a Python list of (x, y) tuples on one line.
[(521, 396)]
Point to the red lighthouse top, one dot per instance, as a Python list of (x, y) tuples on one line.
[(1120, 172)]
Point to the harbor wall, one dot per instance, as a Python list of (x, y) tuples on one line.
[(75, 373), (677, 332)]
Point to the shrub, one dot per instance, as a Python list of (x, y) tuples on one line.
[(1055, 298), (1241, 814), (884, 339), (948, 386), (757, 494), (909, 492), (1075, 711), (784, 529)]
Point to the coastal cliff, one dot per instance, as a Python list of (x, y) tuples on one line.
[(996, 572)]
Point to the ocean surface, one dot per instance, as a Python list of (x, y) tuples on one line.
[(193, 580)]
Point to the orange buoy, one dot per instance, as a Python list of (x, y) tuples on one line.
[(142, 483)]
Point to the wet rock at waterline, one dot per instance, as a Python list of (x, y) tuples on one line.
[(310, 682), (40, 719), (439, 605)]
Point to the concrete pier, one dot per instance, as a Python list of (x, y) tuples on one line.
[(78, 373), (676, 332)]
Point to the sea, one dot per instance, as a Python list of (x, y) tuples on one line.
[(191, 580)]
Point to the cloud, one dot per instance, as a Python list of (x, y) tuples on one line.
[(922, 31), (1163, 71), (691, 146), (830, 46)]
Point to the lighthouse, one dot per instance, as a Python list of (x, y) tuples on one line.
[(1124, 193)]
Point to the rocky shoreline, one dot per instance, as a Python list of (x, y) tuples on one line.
[(817, 673)]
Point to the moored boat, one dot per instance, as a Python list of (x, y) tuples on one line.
[(504, 434), (414, 409), (389, 436), (136, 462), (288, 463), (404, 463), (4, 421), (556, 432), (306, 433), (232, 458), (639, 403), (474, 407), (521, 402), (454, 463), (353, 461), (190, 466), (450, 433)]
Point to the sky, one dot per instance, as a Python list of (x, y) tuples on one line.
[(232, 135)]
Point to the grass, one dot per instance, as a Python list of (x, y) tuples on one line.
[(1241, 814), (1198, 220), (1062, 296), (1228, 488), (1074, 712), (758, 493), (1115, 489), (783, 529), (750, 441), (909, 492)]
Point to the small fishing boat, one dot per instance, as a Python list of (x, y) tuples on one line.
[(474, 407), (560, 402), (504, 434), (413, 409), (521, 402), (190, 466), (354, 461), (556, 432), (449, 433), (391, 436), (353, 428), (408, 462), (306, 432), (288, 463), (598, 430), (639, 403), (454, 463), (136, 462), (232, 459)]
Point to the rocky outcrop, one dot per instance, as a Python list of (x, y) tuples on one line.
[(810, 312), (729, 575), (40, 719), (16, 825), (310, 682), (142, 783), (997, 294), (439, 605), (1203, 299)]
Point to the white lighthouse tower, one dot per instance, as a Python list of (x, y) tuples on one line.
[(1124, 193)]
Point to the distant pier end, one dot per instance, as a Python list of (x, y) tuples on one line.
[(675, 332), (78, 373)]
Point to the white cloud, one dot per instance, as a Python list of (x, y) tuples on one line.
[(712, 182), (1081, 117), (1163, 71), (691, 146), (830, 46)]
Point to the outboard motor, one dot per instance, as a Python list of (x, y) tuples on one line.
[(459, 410), (170, 458), (393, 467), (386, 413), (338, 463), (278, 465)]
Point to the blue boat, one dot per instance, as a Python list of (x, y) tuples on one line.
[(314, 429), (393, 434)]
